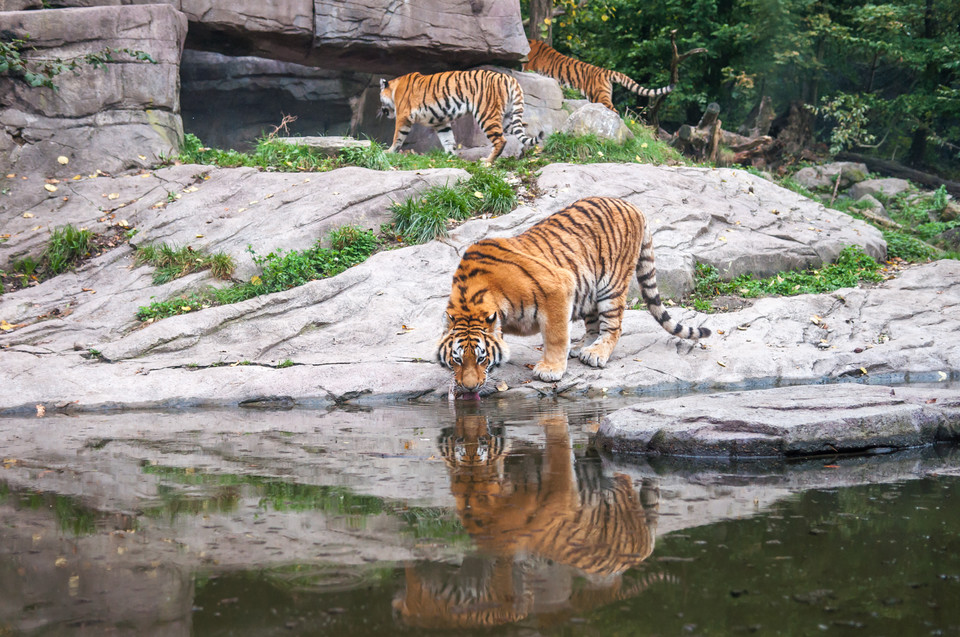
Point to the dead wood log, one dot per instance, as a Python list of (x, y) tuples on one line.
[(895, 169)]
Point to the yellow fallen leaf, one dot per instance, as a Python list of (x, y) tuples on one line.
[(256, 280), (478, 194), (199, 236), (722, 238), (63, 160), (50, 188), (815, 319), (721, 364), (942, 376), (863, 370), (643, 145), (599, 153), (60, 562), (123, 223), (11, 175), (638, 159), (6, 327), (502, 386), (142, 157), (29, 215), (240, 209), (41, 411), (113, 195), (77, 177), (185, 308)]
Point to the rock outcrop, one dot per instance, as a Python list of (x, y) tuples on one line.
[(368, 334), (787, 421), (122, 115), (370, 36)]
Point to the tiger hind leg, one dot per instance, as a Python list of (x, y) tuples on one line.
[(447, 139), (610, 319), (591, 332)]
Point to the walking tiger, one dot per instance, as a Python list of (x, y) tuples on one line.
[(436, 100)]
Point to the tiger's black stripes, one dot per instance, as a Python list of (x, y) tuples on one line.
[(594, 82), (493, 98), (576, 263)]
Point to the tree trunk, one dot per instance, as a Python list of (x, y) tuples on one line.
[(541, 20), (895, 169)]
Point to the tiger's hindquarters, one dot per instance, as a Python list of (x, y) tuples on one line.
[(647, 277)]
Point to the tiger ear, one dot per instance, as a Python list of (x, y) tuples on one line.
[(383, 84), (447, 320)]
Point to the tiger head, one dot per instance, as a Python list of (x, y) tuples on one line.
[(388, 95), (472, 345)]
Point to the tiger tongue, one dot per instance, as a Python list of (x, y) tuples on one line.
[(469, 396)]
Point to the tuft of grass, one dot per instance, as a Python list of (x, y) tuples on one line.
[(644, 148), (424, 218), (852, 266), (279, 271), (66, 246), (902, 245), (173, 262), (373, 157)]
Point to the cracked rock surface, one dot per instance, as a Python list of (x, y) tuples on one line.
[(369, 333)]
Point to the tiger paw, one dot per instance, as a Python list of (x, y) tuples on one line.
[(549, 373), (593, 356)]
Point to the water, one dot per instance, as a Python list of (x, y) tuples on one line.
[(497, 518)]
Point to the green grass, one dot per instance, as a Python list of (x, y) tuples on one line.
[(424, 218), (173, 262), (66, 246), (852, 267), (587, 149), (279, 271)]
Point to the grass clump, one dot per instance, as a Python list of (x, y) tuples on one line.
[(280, 271), (424, 218), (66, 246), (643, 148), (173, 262), (852, 266)]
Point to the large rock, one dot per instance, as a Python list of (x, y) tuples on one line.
[(228, 102), (787, 421), (373, 36), (825, 175), (418, 35), (369, 334), (594, 119), (218, 210), (889, 187), (123, 115)]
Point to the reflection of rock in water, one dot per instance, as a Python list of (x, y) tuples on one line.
[(554, 535)]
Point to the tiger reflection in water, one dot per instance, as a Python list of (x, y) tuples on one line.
[(552, 540)]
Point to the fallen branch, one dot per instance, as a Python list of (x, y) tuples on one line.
[(895, 169)]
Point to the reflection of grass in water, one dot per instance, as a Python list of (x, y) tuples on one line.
[(72, 517), (278, 495)]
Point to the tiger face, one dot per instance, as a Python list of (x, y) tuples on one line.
[(471, 346), (388, 105)]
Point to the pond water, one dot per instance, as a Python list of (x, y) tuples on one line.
[(492, 518)]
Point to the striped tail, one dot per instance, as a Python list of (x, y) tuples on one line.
[(625, 81), (515, 123), (647, 277)]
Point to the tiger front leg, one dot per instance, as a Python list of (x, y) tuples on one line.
[(400, 133), (555, 328), (610, 319)]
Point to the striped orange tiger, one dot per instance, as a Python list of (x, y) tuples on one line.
[(595, 83), (552, 532), (576, 263), (436, 100)]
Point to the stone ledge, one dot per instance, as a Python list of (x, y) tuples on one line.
[(786, 421)]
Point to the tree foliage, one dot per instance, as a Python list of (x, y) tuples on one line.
[(883, 75)]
